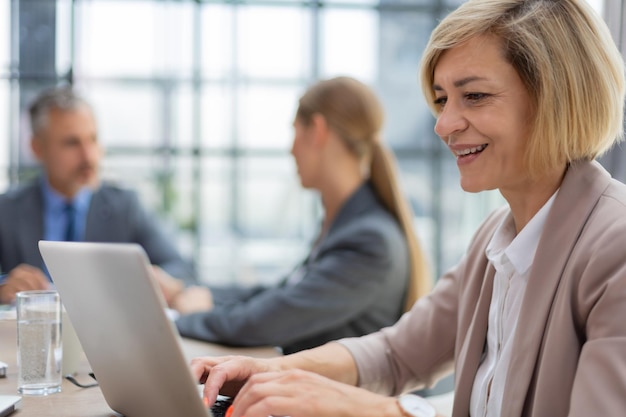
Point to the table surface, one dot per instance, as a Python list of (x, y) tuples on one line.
[(88, 402)]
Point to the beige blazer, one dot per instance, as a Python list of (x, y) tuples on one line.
[(570, 345)]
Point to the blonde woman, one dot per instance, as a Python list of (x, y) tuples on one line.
[(527, 93), (365, 265)]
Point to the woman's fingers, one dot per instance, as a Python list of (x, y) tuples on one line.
[(225, 375)]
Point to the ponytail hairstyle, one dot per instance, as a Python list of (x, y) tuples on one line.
[(384, 177), (355, 114)]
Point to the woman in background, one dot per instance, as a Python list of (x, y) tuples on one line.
[(365, 266), (527, 93)]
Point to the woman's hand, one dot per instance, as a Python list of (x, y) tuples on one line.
[(226, 374), (298, 382), (184, 300), (298, 393), (192, 300), (170, 286)]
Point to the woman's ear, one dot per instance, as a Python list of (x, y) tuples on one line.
[(320, 130)]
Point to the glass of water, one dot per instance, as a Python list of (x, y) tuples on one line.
[(39, 345)]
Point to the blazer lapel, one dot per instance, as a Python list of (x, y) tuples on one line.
[(574, 201), (472, 349)]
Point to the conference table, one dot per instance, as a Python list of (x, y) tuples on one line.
[(74, 401)]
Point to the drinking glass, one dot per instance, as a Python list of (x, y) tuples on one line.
[(39, 343)]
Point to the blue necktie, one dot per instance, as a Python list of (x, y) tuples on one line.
[(69, 217)]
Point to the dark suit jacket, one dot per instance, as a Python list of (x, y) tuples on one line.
[(353, 284), (115, 215)]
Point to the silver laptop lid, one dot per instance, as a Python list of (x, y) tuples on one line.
[(119, 317)]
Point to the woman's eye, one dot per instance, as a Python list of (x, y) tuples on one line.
[(440, 101), (475, 96)]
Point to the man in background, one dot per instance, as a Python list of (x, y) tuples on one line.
[(69, 202)]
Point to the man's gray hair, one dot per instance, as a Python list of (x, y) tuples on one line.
[(61, 98)]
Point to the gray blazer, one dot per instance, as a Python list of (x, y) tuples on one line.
[(352, 283), (569, 355), (115, 215)]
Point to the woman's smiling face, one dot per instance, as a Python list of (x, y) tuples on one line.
[(485, 115)]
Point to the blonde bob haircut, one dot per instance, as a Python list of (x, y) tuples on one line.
[(566, 58), (355, 114)]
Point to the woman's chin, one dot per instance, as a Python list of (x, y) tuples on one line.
[(474, 186)]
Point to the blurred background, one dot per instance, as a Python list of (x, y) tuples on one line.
[(195, 99)]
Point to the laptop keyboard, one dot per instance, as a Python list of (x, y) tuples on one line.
[(221, 405)]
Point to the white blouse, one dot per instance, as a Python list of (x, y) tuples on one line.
[(512, 258)]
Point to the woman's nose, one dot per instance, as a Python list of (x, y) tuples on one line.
[(451, 120)]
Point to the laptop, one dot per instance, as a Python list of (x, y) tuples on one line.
[(119, 316), (8, 404)]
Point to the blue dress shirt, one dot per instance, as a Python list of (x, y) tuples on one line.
[(55, 219)]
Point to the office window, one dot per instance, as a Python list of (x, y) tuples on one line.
[(195, 99), (265, 115), (5, 145), (272, 42), (5, 38), (216, 35), (128, 114), (342, 50), (137, 38)]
